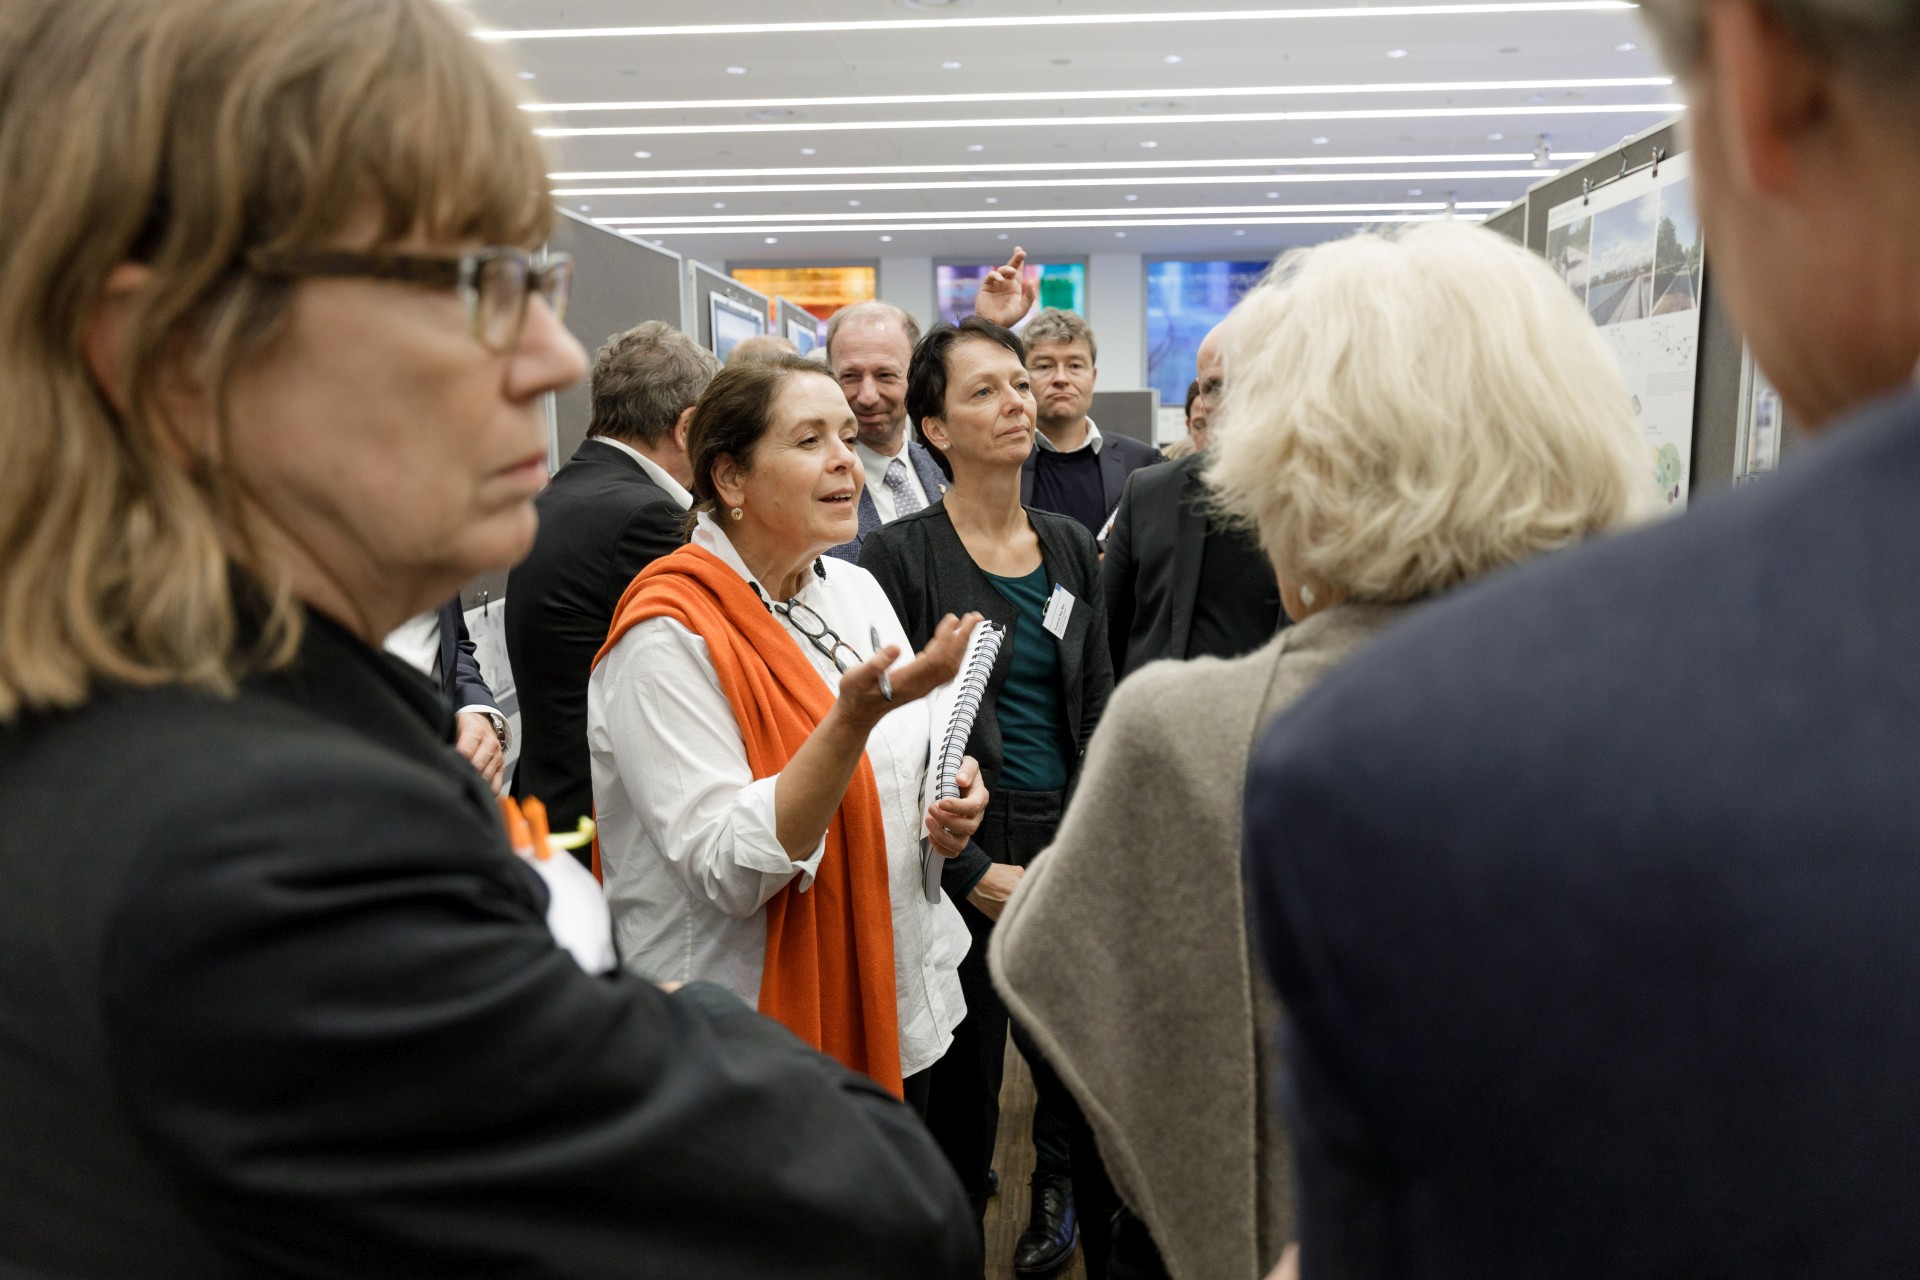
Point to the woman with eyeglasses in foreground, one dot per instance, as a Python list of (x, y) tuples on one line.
[(756, 830), (280, 996)]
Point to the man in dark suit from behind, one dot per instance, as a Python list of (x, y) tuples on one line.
[(619, 504), (869, 348), (1591, 893), (1181, 582)]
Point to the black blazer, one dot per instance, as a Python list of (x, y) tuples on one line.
[(1591, 895), (460, 663), (927, 573), (602, 521), (1162, 537), (279, 1000), (1120, 457)]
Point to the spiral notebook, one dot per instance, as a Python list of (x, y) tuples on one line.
[(955, 704)]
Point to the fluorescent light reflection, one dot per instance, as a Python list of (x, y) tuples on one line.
[(997, 215), (1108, 122), (1183, 180), (1123, 95), (1061, 20), (822, 171), (1304, 221)]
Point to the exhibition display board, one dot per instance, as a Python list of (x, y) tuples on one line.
[(1511, 223), (1614, 180), (797, 325), (720, 311)]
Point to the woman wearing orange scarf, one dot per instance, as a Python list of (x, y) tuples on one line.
[(758, 831)]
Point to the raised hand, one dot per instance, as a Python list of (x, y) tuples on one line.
[(860, 697), (1006, 295)]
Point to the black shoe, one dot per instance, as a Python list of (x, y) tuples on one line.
[(1052, 1230), (993, 1183)]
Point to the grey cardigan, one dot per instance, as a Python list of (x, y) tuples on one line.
[(1125, 951)]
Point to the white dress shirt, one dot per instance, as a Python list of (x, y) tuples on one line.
[(1092, 441), (876, 464), (416, 642), (688, 844), (655, 472)]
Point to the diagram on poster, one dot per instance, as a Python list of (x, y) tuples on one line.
[(1632, 254)]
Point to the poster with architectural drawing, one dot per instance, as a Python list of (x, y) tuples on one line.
[(1632, 254)]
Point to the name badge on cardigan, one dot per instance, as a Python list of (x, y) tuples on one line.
[(1059, 610)]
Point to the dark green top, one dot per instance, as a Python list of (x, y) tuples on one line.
[(1033, 725)]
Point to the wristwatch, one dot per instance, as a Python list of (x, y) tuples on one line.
[(501, 729)]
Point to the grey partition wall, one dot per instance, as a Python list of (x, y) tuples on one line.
[(702, 282), (797, 324), (1128, 413), (1511, 223), (1717, 391), (617, 283)]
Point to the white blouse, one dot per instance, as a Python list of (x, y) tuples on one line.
[(687, 838)]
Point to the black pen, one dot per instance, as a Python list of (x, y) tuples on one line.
[(886, 685)]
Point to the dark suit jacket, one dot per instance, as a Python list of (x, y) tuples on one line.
[(1592, 895), (927, 573), (1120, 457), (932, 479), (1152, 570), (465, 686), (280, 1001), (602, 521)]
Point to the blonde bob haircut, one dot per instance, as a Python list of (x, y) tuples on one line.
[(1408, 410), (184, 135)]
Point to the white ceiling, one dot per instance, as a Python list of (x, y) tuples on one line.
[(1306, 167)]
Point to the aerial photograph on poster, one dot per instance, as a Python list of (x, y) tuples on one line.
[(1620, 272), (1570, 250), (1677, 252)]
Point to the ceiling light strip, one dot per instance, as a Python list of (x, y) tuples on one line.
[(1061, 20), (1310, 220), (749, 219), (1157, 122), (825, 171), (1149, 94), (1013, 184)]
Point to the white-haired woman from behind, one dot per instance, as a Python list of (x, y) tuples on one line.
[(1403, 413)]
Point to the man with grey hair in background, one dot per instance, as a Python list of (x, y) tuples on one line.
[(618, 504), (869, 349), (1591, 895)]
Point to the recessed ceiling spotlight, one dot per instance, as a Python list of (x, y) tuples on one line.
[(1396, 53), (1171, 58), (886, 238), (526, 75), (1240, 232), (1119, 235), (853, 204), (809, 151), (1321, 142), (1273, 195), (1001, 236), (952, 64), (1496, 137), (719, 204), (736, 71), (643, 155), (586, 208), (993, 199), (976, 146), (1132, 198), (1625, 46), (1416, 191), (1149, 144), (772, 240)]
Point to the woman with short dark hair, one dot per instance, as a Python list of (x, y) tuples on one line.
[(756, 830), (1036, 575)]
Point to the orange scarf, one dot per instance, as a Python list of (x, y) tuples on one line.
[(828, 973)]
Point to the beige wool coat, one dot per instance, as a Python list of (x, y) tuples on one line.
[(1125, 951)]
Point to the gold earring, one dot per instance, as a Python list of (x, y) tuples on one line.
[(737, 514)]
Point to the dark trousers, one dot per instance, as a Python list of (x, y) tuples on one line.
[(963, 1110)]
